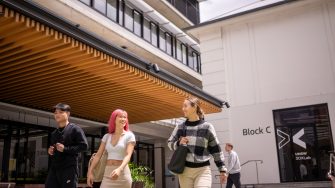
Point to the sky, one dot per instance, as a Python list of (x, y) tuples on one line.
[(210, 9)]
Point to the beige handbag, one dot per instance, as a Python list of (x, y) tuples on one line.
[(99, 170)]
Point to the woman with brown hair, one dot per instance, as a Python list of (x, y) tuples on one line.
[(202, 143), (119, 144)]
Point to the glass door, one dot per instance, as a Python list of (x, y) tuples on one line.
[(304, 153), (303, 138), (24, 157)]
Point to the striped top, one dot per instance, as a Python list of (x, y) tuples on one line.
[(202, 143)]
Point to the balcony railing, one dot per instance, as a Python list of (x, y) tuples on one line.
[(150, 31)]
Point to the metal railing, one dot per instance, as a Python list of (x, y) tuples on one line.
[(256, 162)]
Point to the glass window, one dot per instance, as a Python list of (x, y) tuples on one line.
[(178, 47), (128, 18), (121, 10), (97, 142), (144, 155), (111, 9), (100, 5), (181, 6), (196, 61), (162, 42), (89, 141), (146, 30), (168, 43), (192, 12), (87, 2), (184, 53), (27, 157), (137, 23), (153, 31), (190, 59)]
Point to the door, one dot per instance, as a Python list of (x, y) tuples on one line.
[(303, 140)]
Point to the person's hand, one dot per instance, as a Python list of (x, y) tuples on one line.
[(59, 147), (223, 177), (183, 140), (115, 174), (51, 150), (90, 178)]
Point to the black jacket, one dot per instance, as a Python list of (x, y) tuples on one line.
[(74, 140)]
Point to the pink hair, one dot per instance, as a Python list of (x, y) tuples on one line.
[(111, 122)]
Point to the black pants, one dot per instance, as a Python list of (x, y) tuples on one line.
[(234, 179), (62, 177), (96, 184)]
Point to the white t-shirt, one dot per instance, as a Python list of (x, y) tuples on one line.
[(118, 152)]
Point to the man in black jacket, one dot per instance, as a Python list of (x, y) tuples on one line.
[(67, 141)]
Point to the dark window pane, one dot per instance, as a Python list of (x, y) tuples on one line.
[(181, 6), (192, 13), (28, 157), (111, 9), (194, 3), (100, 5)]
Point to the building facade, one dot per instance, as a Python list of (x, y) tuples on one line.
[(276, 66), (97, 56)]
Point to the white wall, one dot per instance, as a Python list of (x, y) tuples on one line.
[(272, 59)]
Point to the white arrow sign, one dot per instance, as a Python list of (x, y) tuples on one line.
[(296, 138), (285, 138)]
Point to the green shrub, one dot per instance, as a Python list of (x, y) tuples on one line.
[(141, 174)]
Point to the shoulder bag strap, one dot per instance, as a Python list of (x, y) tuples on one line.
[(184, 130)]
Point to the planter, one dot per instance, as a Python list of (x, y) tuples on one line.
[(137, 185)]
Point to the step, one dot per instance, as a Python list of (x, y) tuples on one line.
[(314, 184)]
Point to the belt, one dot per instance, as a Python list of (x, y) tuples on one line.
[(196, 165)]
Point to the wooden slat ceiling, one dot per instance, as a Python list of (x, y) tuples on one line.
[(41, 67)]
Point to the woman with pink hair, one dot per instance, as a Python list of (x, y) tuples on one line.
[(119, 142)]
